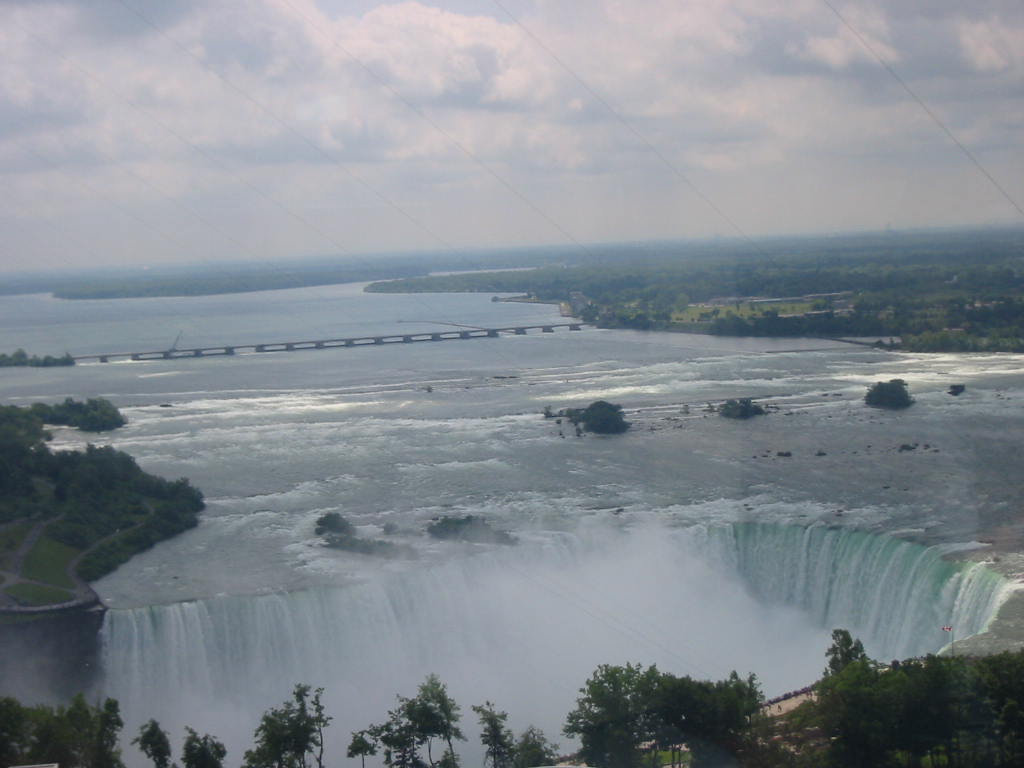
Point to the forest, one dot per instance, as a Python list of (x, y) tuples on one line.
[(931, 711)]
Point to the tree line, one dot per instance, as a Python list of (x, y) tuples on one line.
[(950, 292), (21, 358), (933, 711)]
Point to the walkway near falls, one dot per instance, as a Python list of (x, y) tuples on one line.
[(12, 574)]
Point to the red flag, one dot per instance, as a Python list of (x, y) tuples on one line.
[(947, 629)]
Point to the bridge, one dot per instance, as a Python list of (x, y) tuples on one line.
[(355, 341)]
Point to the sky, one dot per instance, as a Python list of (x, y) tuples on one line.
[(139, 132)]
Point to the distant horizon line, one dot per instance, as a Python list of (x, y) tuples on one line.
[(228, 263)]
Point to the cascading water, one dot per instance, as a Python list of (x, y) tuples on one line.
[(525, 626), (894, 594)]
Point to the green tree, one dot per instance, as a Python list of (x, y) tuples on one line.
[(399, 737), (14, 731), (154, 744), (889, 394), (613, 715), (603, 418), (855, 716), (362, 745), (844, 650), (202, 751), (499, 747), (292, 735), (711, 717), (532, 748), (435, 714)]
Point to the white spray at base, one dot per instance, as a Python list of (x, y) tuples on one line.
[(524, 626)]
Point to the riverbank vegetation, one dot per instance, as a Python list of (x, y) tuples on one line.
[(93, 415), (73, 516), (21, 358), (948, 291), (931, 711), (600, 417)]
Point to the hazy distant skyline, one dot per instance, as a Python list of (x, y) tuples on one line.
[(160, 131)]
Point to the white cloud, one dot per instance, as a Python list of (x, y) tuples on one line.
[(108, 116)]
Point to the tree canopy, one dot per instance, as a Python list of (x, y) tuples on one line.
[(889, 394), (600, 417)]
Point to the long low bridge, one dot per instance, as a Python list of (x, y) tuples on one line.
[(355, 341)]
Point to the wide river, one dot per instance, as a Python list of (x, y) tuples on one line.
[(695, 542)]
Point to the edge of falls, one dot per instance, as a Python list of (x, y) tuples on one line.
[(525, 626), (894, 594)]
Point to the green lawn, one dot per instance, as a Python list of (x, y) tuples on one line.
[(745, 310), (48, 562), (10, 538), (36, 594)]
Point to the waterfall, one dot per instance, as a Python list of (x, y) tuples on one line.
[(894, 594), (524, 626)]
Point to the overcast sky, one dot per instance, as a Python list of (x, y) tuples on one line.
[(153, 131)]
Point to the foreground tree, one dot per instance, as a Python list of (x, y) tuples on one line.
[(154, 744), (399, 738), (844, 651), (710, 717), (613, 715), (362, 745), (496, 737), (202, 751), (293, 735), (533, 748), (435, 714)]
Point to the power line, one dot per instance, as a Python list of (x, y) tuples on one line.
[(923, 105)]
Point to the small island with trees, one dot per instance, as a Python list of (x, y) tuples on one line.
[(600, 417), (892, 394), (744, 408)]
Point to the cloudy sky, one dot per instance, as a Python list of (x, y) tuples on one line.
[(153, 131)]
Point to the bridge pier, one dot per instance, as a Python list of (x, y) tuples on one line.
[(103, 359), (575, 327), (492, 333), (520, 331), (464, 335), (547, 329)]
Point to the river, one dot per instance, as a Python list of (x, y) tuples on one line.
[(695, 542)]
